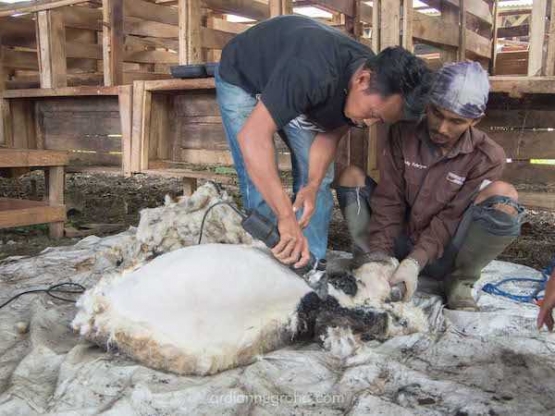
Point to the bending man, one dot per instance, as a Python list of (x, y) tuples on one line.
[(307, 82)]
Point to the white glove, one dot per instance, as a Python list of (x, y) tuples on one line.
[(406, 273)]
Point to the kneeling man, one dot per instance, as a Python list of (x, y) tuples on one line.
[(439, 207)]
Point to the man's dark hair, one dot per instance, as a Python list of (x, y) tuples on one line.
[(397, 71)]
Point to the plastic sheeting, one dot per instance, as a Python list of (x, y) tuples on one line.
[(492, 362)]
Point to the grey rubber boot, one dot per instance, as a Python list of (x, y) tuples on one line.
[(478, 249), (356, 212)]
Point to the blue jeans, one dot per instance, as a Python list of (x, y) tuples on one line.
[(236, 105)]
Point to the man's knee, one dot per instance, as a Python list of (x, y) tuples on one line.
[(352, 176), (499, 188)]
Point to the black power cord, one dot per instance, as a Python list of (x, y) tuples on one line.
[(50, 291), (233, 207)]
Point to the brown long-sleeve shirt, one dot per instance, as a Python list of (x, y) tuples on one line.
[(423, 193)]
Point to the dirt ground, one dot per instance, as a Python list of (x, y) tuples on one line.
[(110, 198)]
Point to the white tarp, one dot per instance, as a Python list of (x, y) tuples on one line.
[(492, 362)]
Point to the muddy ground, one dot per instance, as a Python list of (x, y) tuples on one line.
[(110, 198)]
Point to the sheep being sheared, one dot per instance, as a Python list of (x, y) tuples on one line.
[(211, 307)]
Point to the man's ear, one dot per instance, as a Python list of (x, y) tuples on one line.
[(362, 79), (476, 121)]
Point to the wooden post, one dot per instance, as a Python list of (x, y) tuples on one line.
[(51, 41), (449, 15), (112, 41), (390, 23), (55, 190), (550, 59), (376, 25), (281, 7), (407, 25), (493, 59), (125, 98), (537, 37), (3, 103), (462, 31), (189, 32), (137, 132)]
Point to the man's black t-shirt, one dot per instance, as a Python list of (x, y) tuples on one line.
[(298, 65)]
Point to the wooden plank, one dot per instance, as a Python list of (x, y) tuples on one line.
[(142, 42), (537, 33), (190, 43), (150, 11), (524, 133), (139, 27), (151, 57), (407, 25), (247, 8), (32, 215), (160, 138), (517, 86), (450, 15), (376, 17), (390, 24), (435, 31), (112, 41), (144, 149), (125, 103), (366, 13), (23, 124), (19, 158), (511, 63), (16, 31), (55, 192), (12, 59), (181, 84), (513, 31), (83, 50), (61, 92), (226, 26), (477, 8), (478, 45), (214, 39), (136, 129), (537, 199), (174, 172), (549, 68), (36, 6), (462, 32), (220, 157), (280, 7), (82, 18), (131, 77), (528, 173)]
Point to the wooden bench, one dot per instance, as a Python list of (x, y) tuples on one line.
[(21, 212)]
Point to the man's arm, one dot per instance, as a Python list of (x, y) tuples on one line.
[(322, 153), (388, 201), (545, 316), (257, 146), (434, 238)]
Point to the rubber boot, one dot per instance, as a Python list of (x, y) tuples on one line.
[(478, 249), (356, 212)]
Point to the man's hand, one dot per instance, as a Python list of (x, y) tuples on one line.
[(292, 243), (406, 273), (545, 316), (306, 200)]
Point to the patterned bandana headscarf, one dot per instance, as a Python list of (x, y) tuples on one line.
[(461, 88)]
